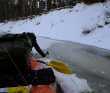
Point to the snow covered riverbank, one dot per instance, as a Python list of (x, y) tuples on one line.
[(84, 24)]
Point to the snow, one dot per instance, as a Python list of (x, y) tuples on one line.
[(70, 25), (71, 83)]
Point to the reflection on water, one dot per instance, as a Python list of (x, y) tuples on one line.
[(87, 62)]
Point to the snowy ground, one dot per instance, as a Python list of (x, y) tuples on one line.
[(84, 24)]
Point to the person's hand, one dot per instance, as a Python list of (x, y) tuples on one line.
[(45, 54)]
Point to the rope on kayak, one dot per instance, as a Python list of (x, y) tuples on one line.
[(33, 80), (15, 82), (35, 77), (14, 63)]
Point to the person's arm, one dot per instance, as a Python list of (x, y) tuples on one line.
[(34, 44), (38, 48)]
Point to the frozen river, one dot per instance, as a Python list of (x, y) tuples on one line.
[(88, 62)]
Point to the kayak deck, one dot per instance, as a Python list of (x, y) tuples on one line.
[(40, 88), (31, 89)]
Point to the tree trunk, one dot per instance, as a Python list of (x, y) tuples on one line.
[(26, 8), (54, 4), (35, 7), (30, 6), (23, 8), (5, 10), (48, 5), (42, 5)]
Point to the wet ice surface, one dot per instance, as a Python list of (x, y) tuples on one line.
[(86, 62)]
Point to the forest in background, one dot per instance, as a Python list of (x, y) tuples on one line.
[(16, 9)]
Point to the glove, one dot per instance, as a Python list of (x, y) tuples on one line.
[(45, 54)]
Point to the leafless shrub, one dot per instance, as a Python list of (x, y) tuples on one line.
[(70, 10), (107, 22), (100, 26), (87, 31), (38, 23), (107, 14)]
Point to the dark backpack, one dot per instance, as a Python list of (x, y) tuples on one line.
[(14, 48)]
